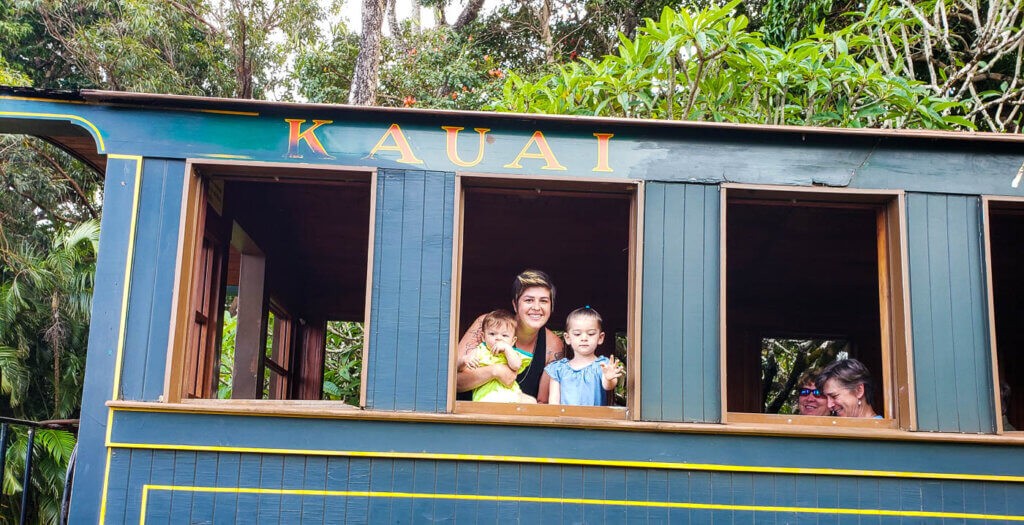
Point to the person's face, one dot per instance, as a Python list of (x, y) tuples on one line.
[(845, 402), (813, 402), (534, 307), (584, 336), (495, 333)]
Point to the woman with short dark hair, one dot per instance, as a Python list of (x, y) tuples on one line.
[(848, 388)]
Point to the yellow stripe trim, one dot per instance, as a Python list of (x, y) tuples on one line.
[(707, 467), (61, 116), (572, 501), (122, 325)]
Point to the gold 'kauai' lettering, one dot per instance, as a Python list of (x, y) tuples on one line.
[(401, 145), (296, 135), (602, 152), (452, 145), (543, 152)]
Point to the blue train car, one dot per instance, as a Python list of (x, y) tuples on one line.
[(723, 258)]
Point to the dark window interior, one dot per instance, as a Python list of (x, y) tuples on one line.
[(802, 270), (579, 235), (304, 241), (1006, 230)]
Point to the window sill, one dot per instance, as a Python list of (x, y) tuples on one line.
[(810, 422), (336, 410), (540, 410)]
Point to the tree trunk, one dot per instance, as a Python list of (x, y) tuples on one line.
[(544, 22), (364, 78), (468, 14), (392, 18)]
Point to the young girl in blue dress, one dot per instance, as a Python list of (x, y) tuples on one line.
[(584, 379)]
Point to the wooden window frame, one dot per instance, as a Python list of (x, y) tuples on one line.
[(986, 205), (631, 187), (897, 376), (190, 237)]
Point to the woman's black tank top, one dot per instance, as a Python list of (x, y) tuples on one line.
[(530, 381)]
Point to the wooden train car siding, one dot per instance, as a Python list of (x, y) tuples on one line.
[(412, 268), (953, 373), (680, 370), (152, 280), (238, 462)]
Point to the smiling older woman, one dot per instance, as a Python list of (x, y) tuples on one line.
[(847, 386), (533, 298)]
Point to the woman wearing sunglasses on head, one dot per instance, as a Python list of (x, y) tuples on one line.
[(848, 388), (810, 400)]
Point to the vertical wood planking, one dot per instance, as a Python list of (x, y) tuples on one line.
[(402, 481), (508, 484), (337, 479), (118, 489), (411, 291), (314, 507), (382, 476), (204, 503), (152, 280), (294, 475), (951, 357), (465, 483), (158, 508), (593, 489), (225, 504), (357, 510), (445, 483), (424, 481), (184, 476), (651, 370), (681, 279), (247, 506), (529, 485), (138, 475), (109, 284)]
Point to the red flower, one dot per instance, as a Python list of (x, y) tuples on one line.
[(408, 101)]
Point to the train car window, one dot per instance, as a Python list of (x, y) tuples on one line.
[(1005, 231), (279, 264), (583, 234), (811, 278)]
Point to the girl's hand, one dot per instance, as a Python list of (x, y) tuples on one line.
[(612, 370)]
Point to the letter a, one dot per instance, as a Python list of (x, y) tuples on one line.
[(550, 162), (401, 146), (295, 134), (452, 145)]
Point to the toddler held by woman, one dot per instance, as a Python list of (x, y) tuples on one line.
[(499, 335)]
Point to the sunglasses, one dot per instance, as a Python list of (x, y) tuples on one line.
[(808, 392)]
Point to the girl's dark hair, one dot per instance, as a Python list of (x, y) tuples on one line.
[(849, 373)]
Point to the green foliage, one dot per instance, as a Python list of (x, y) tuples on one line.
[(227, 355), (138, 45), (51, 451), (435, 68), (344, 361), (45, 299), (786, 22), (323, 72), (707, 66)]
